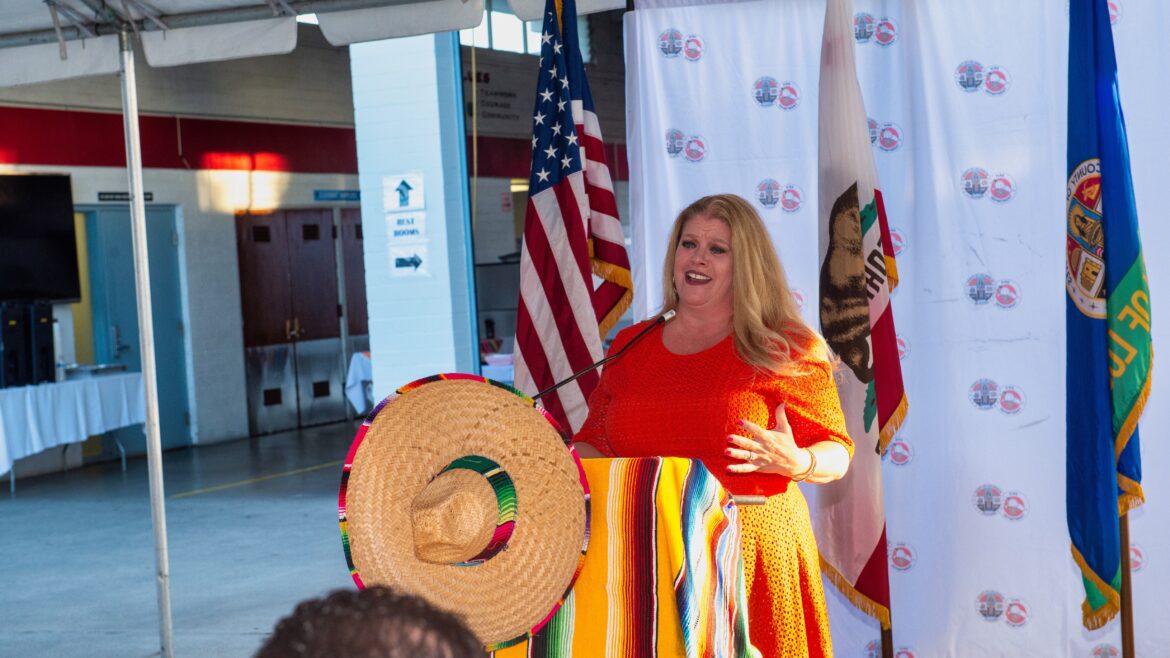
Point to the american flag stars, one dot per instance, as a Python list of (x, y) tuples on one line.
[(554, 132)]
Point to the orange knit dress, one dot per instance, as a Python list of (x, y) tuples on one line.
[(652, 402)]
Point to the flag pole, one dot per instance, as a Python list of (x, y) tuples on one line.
[(888, 642), (1127, 648)]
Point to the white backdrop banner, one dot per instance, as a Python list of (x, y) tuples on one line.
[(966, 105)]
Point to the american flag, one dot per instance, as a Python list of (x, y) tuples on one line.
[(574, 272)]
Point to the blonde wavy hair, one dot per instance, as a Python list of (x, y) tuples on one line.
[(769, 332)]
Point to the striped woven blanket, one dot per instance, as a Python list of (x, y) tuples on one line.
[(663, 575)]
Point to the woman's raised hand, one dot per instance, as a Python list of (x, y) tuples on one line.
[(767, 451)]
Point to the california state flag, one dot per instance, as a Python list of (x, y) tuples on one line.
[(857, 275)]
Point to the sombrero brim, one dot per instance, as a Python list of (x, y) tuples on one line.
[(414, 434)]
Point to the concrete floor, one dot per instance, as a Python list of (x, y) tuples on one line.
[(252, 528)]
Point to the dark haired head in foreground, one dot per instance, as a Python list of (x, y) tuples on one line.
[(374, 622)]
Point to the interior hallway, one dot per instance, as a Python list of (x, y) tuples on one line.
[(252, 528)]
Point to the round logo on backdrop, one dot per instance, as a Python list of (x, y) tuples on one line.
[(675, 141), (886, 31), (1106, 651), (695, 148), (1137, 558), (863, 27), (988, 499), (900, 452), (670, 42), (990, 605), (975, 181), (798, 297), (984, 393), (1114, 11), (1015, 506), (1016, 613), (897, 241), (791, 198), (1007, 294), (902, 556), (789, 95), (873, 130), (969, 75), (1002, 188), (766, 90), (996, 80), (768, 192), (693, 48), (873, 649), (903, 348), (980, 288), (890, 137), (1011, 400), (904, 652)]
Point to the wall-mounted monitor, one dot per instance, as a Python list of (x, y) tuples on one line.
[(38, 242)]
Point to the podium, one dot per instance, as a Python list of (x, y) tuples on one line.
[(663, 575)]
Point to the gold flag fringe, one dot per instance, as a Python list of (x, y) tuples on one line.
[(1095, 619), (892, 424), (891, 272), (617, 275), (859, 600), (1135, 414)]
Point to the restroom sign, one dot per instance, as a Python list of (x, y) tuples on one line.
[(406, 227)]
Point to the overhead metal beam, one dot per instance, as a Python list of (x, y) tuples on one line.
[(150, 13), (75, 17), (108, 23)]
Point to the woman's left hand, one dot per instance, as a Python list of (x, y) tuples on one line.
[(767, 451)]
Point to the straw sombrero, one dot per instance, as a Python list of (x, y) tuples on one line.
[(460, 490)]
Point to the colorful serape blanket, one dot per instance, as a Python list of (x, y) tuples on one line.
[(663, 575)]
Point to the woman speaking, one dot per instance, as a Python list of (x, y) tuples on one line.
[(740, 382)]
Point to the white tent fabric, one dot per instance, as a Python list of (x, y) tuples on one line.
[(42, 62), (533, 10), (967, 106), (214, 43), (359, 25), (201, 31), (215, 30)]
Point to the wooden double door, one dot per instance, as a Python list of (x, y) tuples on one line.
[(291, 266)]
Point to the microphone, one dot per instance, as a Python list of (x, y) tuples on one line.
[(662, 319)]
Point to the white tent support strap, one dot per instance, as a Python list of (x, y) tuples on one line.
[(146, 343)]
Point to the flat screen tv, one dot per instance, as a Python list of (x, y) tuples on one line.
[(38, 243)]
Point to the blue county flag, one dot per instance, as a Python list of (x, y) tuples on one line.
[(574, 272), (1107, 314), (857, 275)]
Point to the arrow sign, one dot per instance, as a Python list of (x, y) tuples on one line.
[(414, 261), (403, 192), (409, 260)]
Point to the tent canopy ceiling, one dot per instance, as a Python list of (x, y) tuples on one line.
[(44, 40), (28, 22), (31, 21)]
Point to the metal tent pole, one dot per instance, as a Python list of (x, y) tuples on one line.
[(146, 343)]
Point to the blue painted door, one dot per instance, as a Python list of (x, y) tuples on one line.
[(115, 313)]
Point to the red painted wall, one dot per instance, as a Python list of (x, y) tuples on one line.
[(37, 136)]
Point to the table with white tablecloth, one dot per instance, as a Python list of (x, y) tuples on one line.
[(36, 418), (359, 387)]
